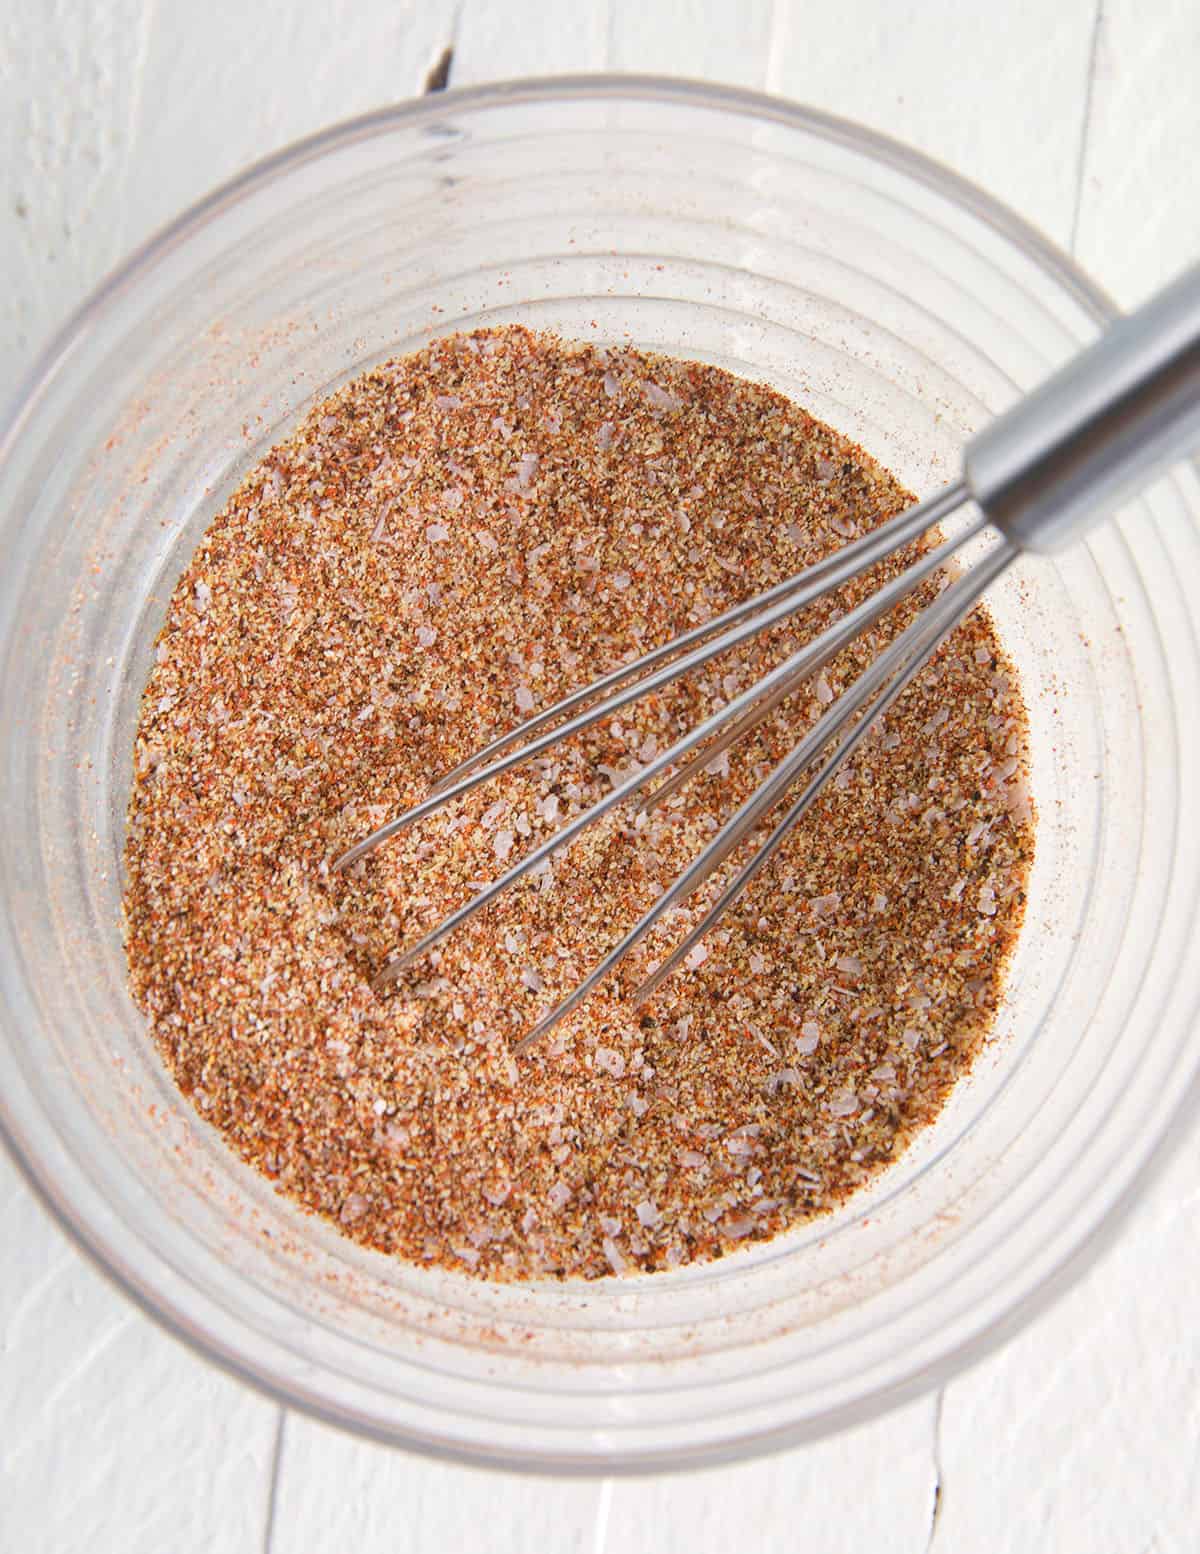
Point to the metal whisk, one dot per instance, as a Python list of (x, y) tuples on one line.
[(1034, 480)]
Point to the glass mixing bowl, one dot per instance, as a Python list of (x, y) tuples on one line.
[(895, 302)]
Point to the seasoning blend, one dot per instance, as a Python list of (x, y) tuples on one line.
[(447, 543)]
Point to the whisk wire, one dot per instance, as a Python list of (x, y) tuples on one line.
[(804, 588), (799, 589), (796, 667), (810, 660), (943, 617), (897, 664), (786, 599)]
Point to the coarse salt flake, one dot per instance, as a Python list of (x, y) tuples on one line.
[(613, 1255), (661, 398), (611, 1061)]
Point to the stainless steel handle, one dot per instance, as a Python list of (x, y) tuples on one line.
[(1123, 411)]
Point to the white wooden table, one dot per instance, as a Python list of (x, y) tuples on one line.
[(1084, 1433)]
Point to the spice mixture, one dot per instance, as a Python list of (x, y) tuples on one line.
[(447, 543)]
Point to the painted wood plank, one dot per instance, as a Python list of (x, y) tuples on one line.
[(209, 111), (870, 1488), (336, 1494), (111, 120), (1139, 211), (498, 42), (696, 38), (69, 85), (994, 91), (727, 43), (115, 118), (1082, 1433), (114, 1437)]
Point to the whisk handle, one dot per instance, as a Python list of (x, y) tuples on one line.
[(1121, 412)]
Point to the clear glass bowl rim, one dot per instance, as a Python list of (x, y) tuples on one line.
[(55, 359)]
